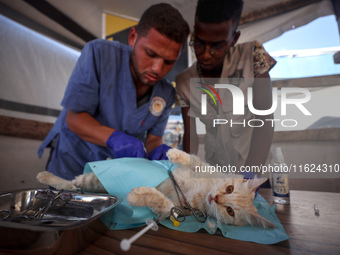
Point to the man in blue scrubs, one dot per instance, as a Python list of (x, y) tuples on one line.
[(117, 103)]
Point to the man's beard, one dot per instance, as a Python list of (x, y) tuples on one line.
[(139, 75)]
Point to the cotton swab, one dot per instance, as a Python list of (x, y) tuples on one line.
[(125, 244)]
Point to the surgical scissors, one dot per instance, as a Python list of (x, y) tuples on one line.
[(176, 212)]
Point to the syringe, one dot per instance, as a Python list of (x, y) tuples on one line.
[(125, 244)]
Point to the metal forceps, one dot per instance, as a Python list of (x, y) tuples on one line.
[(176, 212)]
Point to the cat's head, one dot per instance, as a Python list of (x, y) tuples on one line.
[(232, 202)]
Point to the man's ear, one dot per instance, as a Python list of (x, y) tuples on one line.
[(132, 36), (236, 37)]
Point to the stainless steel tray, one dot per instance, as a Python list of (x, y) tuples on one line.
[(34, 220)]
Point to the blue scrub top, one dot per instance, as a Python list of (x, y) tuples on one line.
[(102, 85)]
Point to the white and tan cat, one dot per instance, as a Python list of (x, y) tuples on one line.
[(229, 199)]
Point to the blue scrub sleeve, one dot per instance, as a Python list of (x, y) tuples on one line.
[(82, 91)]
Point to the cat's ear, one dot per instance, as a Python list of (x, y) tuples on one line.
[(253, 184), (257, 220)]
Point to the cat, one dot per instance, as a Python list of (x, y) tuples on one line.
[(228, 199)]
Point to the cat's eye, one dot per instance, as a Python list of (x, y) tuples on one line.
[(229, 189), (230, 211)]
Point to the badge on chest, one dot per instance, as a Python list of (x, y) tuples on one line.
[(157, 106)]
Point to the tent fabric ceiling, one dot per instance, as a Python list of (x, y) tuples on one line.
[(89, 14), (265, 30)]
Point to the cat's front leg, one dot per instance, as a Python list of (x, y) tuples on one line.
[(89, 182), (179, 157), (150, 197), (55, 181), (182, 158)]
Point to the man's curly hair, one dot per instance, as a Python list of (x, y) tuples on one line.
[(217, 11), (166, 20)]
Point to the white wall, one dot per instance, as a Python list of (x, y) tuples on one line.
[(34, 69)]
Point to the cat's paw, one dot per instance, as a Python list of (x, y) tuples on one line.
[(178, 157), (137, 196), (45, 177)]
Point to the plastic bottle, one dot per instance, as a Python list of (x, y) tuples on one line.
[(280, 183)]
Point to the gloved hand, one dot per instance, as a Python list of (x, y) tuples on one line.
[(249, 175), (159, 153), (124, 145)]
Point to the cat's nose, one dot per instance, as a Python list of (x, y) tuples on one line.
[(216, 199)]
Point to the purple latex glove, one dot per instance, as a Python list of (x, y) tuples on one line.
[(249, 175), (124, 145), (159, 153)]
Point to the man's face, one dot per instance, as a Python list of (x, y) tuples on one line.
[(152, 56), (215, 39)]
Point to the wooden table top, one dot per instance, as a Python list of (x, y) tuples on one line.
[(309, 234)]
